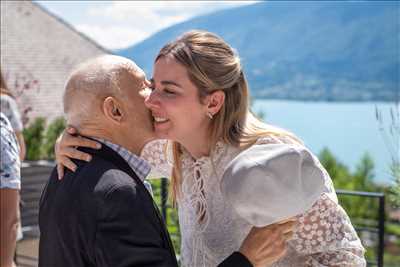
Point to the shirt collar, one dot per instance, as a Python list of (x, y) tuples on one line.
[(140, 166)]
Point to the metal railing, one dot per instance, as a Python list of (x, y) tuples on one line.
[(31, 212), (379, 229)]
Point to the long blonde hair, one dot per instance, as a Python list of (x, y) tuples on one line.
[(213, 65), (3, 87)]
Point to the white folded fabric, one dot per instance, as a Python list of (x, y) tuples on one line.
[(269, 183)]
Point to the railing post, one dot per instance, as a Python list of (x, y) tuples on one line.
[(164, 198), (380, 228), (381, 231)]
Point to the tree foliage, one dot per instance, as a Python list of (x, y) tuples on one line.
[(40, 140), (33, 136), (53, 131)]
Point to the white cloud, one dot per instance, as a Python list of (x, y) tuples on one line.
[(123, 23), (112, 37)]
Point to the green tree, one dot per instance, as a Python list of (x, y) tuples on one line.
[(358, 208), (53, 131), (172, 214), (390, 131), (338, 171), (33, 136), (364, 174)]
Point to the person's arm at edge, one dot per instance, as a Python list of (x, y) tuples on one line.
[(9, 206), (22, 147)]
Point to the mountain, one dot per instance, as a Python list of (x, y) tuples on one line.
[(331, 51)]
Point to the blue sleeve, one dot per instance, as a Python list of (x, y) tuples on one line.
[(10, 176)]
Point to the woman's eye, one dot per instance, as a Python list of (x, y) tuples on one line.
[(169, 92)]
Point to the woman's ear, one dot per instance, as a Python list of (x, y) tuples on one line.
[(112, 109), (215, 101)]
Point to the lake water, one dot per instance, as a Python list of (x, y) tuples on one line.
[(347, 129)]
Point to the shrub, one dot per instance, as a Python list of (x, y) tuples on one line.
[(40, 140), (53, 131), (33, 136)]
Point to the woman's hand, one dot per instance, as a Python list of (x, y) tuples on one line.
[(265, 245), (65, 150)]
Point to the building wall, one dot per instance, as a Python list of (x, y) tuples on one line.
[(38, 51)]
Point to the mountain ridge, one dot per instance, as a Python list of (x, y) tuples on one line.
[(319, 51)]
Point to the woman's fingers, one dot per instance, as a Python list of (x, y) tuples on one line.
[(85, 142), (287, 236), (74, 153), (67, 163), (292, 219), (60, 171), (65, 150), (68, 140), (287, 226)]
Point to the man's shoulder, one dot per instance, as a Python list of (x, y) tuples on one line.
[(107, 175)]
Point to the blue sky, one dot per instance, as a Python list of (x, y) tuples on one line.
[(119, 24)]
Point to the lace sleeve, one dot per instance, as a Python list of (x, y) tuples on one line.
[(326, 236), (156, 154)]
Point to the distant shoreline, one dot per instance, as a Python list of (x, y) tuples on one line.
[(347, 129), (325, 100)]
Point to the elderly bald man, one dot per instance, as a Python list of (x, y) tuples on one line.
[(102, 214)]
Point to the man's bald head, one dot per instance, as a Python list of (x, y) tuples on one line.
[(91, 82)]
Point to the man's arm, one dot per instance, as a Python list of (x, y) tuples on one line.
[(9, 205), (236, 259), (127, 235)]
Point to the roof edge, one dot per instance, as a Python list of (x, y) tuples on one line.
[(68, 25)]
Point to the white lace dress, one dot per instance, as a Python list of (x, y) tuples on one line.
[(212, 229)]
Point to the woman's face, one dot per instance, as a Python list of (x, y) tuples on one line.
[(177, 111)]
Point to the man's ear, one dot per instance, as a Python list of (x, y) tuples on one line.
[(112, 109), (215, 100)]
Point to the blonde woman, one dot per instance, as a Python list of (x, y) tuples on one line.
[(229, 171)]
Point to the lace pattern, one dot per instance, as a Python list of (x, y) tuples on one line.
[(211, 229), (325, 235), (158, 155)]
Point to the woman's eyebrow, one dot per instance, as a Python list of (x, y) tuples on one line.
[(171, 83)]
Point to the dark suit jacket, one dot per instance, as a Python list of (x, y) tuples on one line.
[(102, 215)]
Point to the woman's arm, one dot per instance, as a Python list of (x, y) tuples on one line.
[(154, 152), (65, 150), (326, 236), (9, 206), (263, 246)]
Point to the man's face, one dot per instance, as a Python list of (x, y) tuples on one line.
[(132, 85)]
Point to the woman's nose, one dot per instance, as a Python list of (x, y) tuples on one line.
[(151, 100)]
